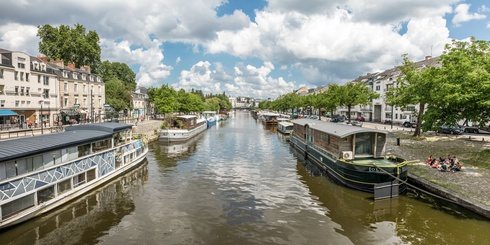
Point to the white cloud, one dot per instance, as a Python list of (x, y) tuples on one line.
[(18, 37), (177, 61), (463, 14), (488, 24), (151, 72)]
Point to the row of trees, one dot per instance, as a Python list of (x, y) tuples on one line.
[(168, 100), (336, 95), (455, 89)]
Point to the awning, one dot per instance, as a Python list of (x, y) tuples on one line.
[(5, 113)]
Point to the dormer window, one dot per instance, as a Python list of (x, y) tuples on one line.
[(36, 66), (91, 78), (84, 77), (21, 63), (65, 74), (43, 67), (75, 75)]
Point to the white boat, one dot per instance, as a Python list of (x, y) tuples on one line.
[(211, 117), (285, 127), (269, 118), (38, 174), (182, 128)]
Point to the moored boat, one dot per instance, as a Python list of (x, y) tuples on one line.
[(285, 127), (38, 174), (269, 118), (353, 156), (182, 128), (211, 117)]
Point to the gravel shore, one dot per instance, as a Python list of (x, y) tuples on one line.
[(472, 182)]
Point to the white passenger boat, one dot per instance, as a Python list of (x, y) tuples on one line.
[(181, 128), (285, 127), (38, 174)]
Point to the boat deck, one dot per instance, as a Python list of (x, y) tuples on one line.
[(380, 162)]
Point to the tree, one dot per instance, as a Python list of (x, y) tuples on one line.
[(414, 86), (164, 99), (116, 94), (355, 93), (464, 84), (330, 99), (71, 45), (120, 71)]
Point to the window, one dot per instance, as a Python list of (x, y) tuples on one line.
[(378, 88), (21, 64), (100, 102), (83, 150), (75, 75), (2, 103), (79, 180), (22, 91), (46, 80), (36, 66), (1, 88), (92, 78), (27, 77), (27, 91), (99, 90), (84, 88), (45, 194), (16, 103), (65, 87), (90, 175), (28, 104), (16, 75), (75, 88), (43, 67), (64, 186), (16, 90), (65, 74), (17, 205), (22, 76), (38, 78), (23, 103), (66, 102), (46, 93), (1, 73), (84, 102), (76, 101)]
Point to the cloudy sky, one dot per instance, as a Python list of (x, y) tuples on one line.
[(257, 48)]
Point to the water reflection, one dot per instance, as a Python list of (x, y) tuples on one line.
[(85, 219)]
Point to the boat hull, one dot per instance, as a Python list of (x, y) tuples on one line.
[(75, 193), (171, 135), (349, 174)]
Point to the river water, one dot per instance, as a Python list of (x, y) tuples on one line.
[(240, 183)]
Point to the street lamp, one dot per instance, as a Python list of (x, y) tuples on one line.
[(41, 117)]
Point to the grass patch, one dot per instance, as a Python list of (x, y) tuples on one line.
[(479, 159)]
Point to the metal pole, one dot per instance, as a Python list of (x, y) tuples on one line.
[(392, 117), (92, 104), (41, 121)]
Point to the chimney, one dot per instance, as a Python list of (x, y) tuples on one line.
[(86, 68), (71, 66), (59, 63), (43, 58), (428, 57)]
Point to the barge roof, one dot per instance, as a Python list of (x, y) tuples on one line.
[(337, 129), (73, 136)]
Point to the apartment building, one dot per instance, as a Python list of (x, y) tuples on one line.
[(35, 91), (28, 94), (140, 103)]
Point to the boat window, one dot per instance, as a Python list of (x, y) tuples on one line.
[(83, 150), (37, 162), (45, 195), (101, 145), (364, 144), (90, 175), (72, 153), (3, 173), (11, 169), (64, 186), (79, 180), (21, 166), (17, 205)]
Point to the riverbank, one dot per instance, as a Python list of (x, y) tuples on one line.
[(468, 188), (149, 128)]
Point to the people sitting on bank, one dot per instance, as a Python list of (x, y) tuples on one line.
[(443, 167), (457, 167), (430, 160), (435, 164)]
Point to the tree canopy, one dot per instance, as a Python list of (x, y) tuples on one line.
[(72, 45)]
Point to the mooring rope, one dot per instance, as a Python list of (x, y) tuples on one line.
[(424, 191)]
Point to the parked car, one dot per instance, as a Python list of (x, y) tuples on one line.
[(356, 123), (408, 124), (362, 119), (450, 130), (471, 130), (315, 117), (387, 121)]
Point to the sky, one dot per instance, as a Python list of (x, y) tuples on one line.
[(253, 48)]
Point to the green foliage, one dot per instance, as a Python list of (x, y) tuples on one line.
[(164, 99), (73, 45), (120, 71), (116, 94)]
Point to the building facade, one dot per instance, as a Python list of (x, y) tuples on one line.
[(34, 91)]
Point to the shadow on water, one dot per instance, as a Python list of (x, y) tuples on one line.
[(85, 219), (410, 218)]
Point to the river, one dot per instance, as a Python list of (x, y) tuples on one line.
[(240, 183)]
